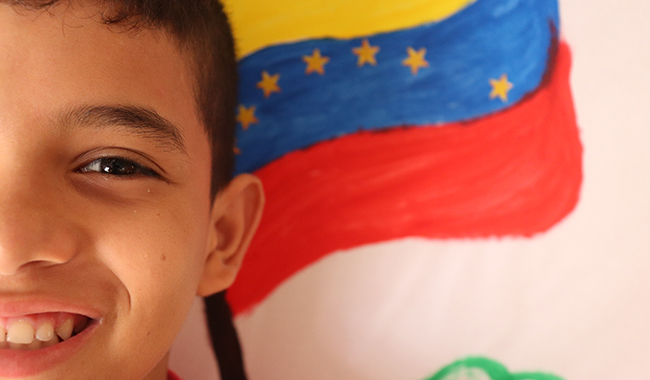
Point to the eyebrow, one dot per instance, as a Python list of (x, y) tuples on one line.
[(132, 119)]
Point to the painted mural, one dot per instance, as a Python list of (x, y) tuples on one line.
[(563, 296), (400, 123)]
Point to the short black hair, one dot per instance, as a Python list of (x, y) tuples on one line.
[(200, 28)]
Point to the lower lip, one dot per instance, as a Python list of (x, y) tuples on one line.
[(24, 363)]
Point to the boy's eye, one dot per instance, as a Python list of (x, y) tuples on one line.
[(118, 166)]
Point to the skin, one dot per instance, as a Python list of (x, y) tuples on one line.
[(135, 248)]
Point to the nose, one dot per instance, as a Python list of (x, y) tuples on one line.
[(34, 231)]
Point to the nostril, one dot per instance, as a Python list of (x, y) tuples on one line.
[(11, 265), (22, 258)]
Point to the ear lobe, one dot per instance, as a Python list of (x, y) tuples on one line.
[(236, 213)]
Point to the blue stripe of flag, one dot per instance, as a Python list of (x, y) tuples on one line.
[(484, 41)]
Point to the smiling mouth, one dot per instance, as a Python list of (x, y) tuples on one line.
[(36, 331)]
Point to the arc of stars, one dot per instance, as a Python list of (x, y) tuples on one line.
[(415, 60), (315, 62), (246, 116), (366, 53), (500, 88), (269, 83)]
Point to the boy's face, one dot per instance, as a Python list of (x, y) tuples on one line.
[(104, 207)]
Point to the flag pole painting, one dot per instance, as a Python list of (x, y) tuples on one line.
[(385, 121)]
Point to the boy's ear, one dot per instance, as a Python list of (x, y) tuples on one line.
[(236, 213)]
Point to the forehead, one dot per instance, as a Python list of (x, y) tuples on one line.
[(57, 59)]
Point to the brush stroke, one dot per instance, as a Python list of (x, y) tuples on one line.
[(479, 368), (514, 173)]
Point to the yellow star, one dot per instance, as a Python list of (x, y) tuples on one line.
[(366, 53), (500, 88), (415, 60), (246, 116), (269, 83), (315, 62)]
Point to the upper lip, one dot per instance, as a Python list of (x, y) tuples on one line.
[(22, 305)]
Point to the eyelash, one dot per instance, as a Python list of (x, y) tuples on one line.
[(132, 168)]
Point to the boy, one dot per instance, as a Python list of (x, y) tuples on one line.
[(116, 123)]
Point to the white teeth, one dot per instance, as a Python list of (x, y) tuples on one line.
[(21, 332), (45, 332), (65, 330)]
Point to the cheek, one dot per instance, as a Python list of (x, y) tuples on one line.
[(157, 260), (156, 253)]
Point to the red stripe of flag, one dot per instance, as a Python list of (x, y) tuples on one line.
[(515, 173)]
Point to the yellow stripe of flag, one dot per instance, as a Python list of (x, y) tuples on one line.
[(260, 23)]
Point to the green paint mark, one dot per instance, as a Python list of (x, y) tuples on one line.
[(476, 368)]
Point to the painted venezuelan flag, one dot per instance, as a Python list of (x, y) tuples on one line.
[(457, 123)]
